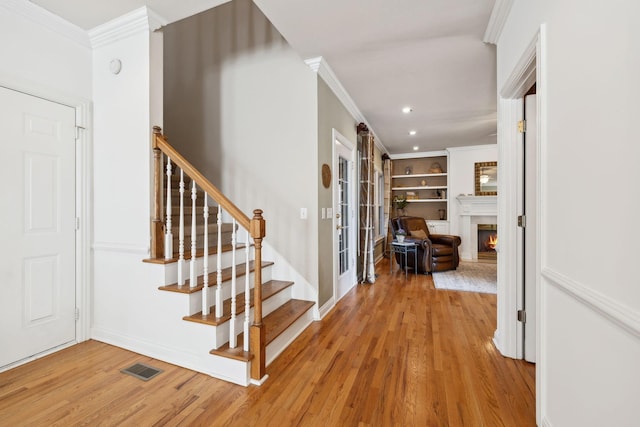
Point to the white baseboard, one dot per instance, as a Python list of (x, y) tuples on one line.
[(326, 308)]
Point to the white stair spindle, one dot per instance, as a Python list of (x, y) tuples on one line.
[(181, 232), (168, 235), (219, 265), (205, 267), (233, 339), (247, 292), (194, 235)]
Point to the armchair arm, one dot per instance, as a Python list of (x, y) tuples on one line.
[(446, 239)]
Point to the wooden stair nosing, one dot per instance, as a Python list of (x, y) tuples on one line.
[(213, 250), (226, 275), (275, 323), (269, 289)]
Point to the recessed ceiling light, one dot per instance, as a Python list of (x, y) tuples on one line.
[(407, 110), (415, 148), (412, 132)]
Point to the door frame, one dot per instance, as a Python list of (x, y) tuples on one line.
[(83, 196), (508, 337), (338, 137)]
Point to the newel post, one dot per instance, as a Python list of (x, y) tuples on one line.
[(157, 224), (257, 332)]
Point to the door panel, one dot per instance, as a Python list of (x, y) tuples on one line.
[(37, 258)]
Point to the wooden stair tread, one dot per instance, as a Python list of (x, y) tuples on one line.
[(226, 275), (213, 250), (275, 323), (269, 289)]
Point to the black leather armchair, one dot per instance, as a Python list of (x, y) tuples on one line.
[(436, 252)]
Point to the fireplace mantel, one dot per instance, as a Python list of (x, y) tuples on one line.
[(475, 210), (478, 205)]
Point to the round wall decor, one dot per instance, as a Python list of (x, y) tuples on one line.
[(326, 175)]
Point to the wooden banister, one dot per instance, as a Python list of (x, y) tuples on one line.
[(256, 227), (159, 142)]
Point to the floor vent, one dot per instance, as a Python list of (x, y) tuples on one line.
[(142, 371)]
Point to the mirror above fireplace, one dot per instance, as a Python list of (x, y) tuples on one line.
[(486, 174)]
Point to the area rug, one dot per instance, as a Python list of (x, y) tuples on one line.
[(470, 276)]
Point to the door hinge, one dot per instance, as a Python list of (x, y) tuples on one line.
[(77, 314), (78, 128), (522, 126), (77, 223), (522, 221), (522, 316)]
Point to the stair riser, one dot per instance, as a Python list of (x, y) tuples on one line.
[(278, 345), (213, 235), (171, 270), (195, 299), (268, 306)]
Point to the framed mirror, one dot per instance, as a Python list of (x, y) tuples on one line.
[(487, 179)]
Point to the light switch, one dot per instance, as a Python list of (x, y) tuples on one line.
[(303, 213), (329, 212), (323, 213)]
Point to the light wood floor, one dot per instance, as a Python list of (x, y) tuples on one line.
[(393, 353)]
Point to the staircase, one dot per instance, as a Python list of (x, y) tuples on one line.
[(245, 328)]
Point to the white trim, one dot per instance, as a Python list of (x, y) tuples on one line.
[(524, 72), (44, 18), (119, 247), (472, 147), (545, 422), (320, 66), (498, 18), (139, 20), (326, 308), (621, 315), (418, 155)]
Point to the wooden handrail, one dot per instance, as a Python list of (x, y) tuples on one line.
[(160, 142)]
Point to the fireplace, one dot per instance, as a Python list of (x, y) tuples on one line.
[(473, 211), (487, 241)]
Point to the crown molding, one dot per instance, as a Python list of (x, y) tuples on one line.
[(46, 19), (319, 66), (498, 18), (142, 19), (473, 147)]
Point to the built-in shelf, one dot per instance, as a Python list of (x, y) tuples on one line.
[(426, 192), (419, 175), (421, 187)]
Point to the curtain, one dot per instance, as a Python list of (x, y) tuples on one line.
[(366, 267), (387, 202)]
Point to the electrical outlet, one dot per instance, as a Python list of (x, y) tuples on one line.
[(329, 212)]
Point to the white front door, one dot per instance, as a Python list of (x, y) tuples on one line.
[(37, 225), (344, 218)]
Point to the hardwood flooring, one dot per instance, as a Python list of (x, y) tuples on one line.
[(394, 353)]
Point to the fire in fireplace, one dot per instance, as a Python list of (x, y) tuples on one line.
[(487, 241)]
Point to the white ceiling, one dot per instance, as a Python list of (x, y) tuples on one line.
[(427, 54)]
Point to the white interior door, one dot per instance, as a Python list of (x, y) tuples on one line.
[(344, 218), (37, 225), (530, 230)]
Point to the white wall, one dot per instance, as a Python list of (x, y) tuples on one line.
[(55, 57), (241, 105), (462, 162), (590, 299)]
